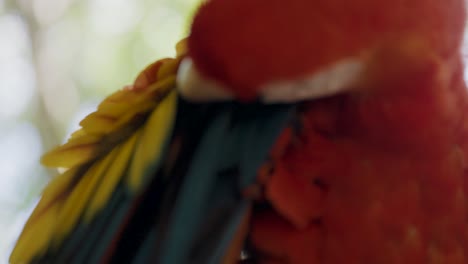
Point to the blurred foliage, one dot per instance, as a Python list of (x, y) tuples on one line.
[(58, 60)]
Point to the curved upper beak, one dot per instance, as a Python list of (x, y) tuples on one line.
[(196, 88), (340, 77)]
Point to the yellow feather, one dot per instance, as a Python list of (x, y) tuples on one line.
[(161, 88), (83, 139), (78, 133), (113, 108), (83, 146), (76, 202), (168, 68), (141, 108), (148, 100), (114, 173), (181, 47), (98, 123), (121, 102), (151, 143), (36, 240), (121, 96), (116, 145), (43, 220), (65, 208), (70, 155), (54, 193), (110, 111)]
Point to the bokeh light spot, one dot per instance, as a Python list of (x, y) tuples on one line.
[(114, 16), (17, 83), (48, 11)]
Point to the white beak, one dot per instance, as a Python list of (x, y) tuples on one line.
[(195, 88), (337, 78)]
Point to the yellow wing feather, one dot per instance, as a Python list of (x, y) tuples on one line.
[(37, 238), (76, 151), (113, 176), (151, 140), (75, 203), (128, 130)]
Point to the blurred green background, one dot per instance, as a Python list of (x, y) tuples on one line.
[(58, 59)]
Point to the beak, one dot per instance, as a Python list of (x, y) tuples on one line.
[(340, 77), (196, 88)]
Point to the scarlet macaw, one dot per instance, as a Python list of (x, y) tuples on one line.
[(301, 131)]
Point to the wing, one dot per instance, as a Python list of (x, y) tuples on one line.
[(108, 162), (152, 178), (208, 209)]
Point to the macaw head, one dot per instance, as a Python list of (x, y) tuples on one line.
[(291, 50)]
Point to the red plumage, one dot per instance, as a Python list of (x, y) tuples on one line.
[(373, 175), (244, 44), (376, 176)]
